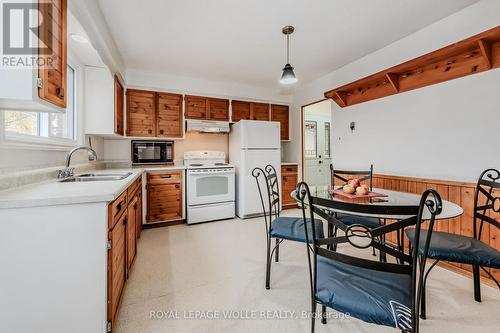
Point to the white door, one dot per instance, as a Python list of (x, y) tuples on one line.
[(317, 150), (247, 200)]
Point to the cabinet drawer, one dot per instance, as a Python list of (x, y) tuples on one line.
[(288, 169), (164, 177), (133, 188), (116, 208)]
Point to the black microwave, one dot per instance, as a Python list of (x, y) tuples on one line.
[(152, 152)]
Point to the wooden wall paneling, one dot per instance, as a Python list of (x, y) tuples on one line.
[(442, 225), (458, 192), (495, 237)]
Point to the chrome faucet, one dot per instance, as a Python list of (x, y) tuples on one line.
[(69, 172)]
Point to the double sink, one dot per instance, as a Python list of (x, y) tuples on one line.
[(92, 177)]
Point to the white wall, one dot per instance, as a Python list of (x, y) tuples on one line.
[(204, 87), (444, 131)]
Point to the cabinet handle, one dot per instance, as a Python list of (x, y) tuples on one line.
[(161, 131), (177, 186), (166, 176), (150, 131), (119, 206), (60, 92)]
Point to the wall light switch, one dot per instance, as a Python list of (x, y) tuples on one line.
[(352, 126)]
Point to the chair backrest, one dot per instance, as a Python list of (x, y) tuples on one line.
[(361, 175), (362, 237), (485, 201), (270, 198)]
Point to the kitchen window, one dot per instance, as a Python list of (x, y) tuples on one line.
[(310, 140), (43, 128), (327, 140)]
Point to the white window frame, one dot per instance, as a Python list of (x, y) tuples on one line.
[(26, 141)]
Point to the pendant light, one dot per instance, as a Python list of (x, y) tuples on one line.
[(288, 76)]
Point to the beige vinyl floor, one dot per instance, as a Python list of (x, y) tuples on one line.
[(209, 277)]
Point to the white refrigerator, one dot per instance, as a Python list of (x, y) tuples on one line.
[(253, 144)]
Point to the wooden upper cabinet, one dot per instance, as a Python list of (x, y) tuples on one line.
[(141, 114), (281, 113), (119, 107), (53, 33), (169, 115), (207, 108), (260, 111), (249, 110), (218, 109), (240, 110), (196, 107)]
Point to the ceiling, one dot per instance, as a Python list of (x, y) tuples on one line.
[(242, 40), (84, 52)]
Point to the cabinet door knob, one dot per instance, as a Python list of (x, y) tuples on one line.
[(60, 92)]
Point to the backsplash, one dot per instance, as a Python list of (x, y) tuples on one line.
[(119, 150)]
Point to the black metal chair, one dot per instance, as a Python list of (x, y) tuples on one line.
[(349, 219), (363, 175), (278, 227), (463, 249), (376, 292)]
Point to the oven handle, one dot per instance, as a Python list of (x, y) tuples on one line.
[(210, 173)]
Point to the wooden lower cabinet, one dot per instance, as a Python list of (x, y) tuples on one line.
[(164, 190), (131, 232), (289, 180), (116, 266), (124, 219)]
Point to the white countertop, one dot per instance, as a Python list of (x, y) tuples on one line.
[(289, 163), (51, 193)]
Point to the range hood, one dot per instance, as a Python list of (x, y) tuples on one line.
[(207, 126)]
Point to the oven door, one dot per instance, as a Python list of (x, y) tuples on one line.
[(207, 187)]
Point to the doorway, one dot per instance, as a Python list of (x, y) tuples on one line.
[(316, 143)]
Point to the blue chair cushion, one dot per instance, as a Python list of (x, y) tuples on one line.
[(457, 248), (347, 219), (292, 228), (373, 296)]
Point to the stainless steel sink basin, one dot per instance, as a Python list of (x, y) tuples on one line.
[(90, 177)]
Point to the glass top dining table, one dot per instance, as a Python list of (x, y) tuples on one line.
[(391, 198)]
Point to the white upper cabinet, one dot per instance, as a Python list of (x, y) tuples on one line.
[(104, 100)]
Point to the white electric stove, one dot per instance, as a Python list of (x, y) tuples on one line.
[(210, 186)]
